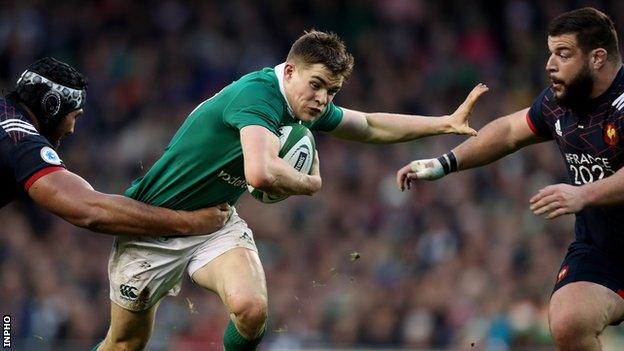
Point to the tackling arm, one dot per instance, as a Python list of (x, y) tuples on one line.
[(393, 128), (264, 170), (74, 199)]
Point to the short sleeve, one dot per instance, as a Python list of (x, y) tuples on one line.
[(329, 120), (33, 157), (535, 117)]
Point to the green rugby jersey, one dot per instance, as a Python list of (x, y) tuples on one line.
[(203, 164)]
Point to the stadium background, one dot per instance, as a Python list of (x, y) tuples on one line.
[(460, 264)]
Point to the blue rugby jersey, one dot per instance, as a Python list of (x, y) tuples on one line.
[(592, 146), (25, 155)]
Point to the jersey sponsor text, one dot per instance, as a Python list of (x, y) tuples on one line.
[(233, 181)]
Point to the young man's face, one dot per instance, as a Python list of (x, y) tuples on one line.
[(569, 72), (65, 127), (310, 89)]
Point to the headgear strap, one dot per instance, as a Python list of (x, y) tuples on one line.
[(73, 99)]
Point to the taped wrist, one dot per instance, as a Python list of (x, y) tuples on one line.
[(448, 162)]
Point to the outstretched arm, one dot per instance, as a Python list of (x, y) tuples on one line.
[(393, 128), (74, 199), (498, 138)]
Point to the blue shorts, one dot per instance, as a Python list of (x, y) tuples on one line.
[(585, 262)]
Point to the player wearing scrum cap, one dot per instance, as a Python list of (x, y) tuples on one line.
[(34, 117)]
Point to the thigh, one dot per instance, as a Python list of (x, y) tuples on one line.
[(235, 273), (142, 271), (588, 303)]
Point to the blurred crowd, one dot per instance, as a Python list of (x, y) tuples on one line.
[(456, 264)]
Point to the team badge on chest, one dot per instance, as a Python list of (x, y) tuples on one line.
[(610, 134)]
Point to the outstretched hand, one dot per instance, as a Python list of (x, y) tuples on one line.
[(459, 119)]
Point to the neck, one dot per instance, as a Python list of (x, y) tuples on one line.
[(605, 78), (280, 72)]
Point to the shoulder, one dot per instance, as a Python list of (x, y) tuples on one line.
[(259, 88), (14, 122), (546, 97), (618, 97), (259, 83), (546, 105)]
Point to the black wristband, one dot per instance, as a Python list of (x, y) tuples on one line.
[(448, 162), (452, 161), (445, 164)]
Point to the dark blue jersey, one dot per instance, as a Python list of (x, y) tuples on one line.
[(592, 145), (25, 156)]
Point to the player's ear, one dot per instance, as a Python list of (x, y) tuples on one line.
[(598, 57), (289, 70)]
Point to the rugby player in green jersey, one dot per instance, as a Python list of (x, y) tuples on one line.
[(228, 141)]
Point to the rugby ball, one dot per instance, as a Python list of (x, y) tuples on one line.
[(297, 148)]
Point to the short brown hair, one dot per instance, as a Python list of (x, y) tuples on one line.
[(593, 30), (325, 48)]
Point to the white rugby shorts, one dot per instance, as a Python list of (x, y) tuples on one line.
[(142, 270)]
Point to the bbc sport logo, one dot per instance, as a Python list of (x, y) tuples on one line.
[(6, 332)]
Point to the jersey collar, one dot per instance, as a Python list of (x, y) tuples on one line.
[(22, 111), (279, 73)]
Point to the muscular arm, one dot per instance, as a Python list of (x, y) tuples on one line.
[(74, 199), (393, 128), (264, 170), (498, 138)]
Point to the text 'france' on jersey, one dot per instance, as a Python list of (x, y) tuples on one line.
[(592, 147)]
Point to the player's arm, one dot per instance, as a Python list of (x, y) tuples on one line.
[(496, 139), (264, 170), (606, 191), (560, 199), (74, 199), (393, 128)]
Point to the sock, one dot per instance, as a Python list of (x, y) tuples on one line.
[(234, 341), (94, 348)]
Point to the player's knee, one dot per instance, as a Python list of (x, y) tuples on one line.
[(570, 329), (250, 311)]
